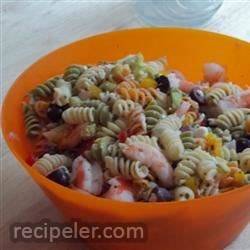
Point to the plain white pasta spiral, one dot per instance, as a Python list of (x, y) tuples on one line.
[(183, 193), (172, 144), (244, 158), (230, 119), (118, 166), (77, 115), (152, 141), (112, 129), (122, 107), (208, 188), (48, 163), (184, 170), (172, 122)]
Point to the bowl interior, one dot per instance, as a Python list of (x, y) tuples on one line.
[(186, 50)]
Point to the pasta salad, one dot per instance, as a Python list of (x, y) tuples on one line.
[(136, 130)]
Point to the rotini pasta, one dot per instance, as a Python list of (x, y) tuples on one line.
[(221, 90), (46, 89), (77, 115), (138, 95), (126, 168), (153, 113), (48, 163), (73, 72), (136, 122), (112, 128), (129, 130), (188, 140), (244, 158), (230, 119), (122, 107), (32, 124)]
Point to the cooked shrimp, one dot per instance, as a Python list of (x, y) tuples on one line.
[(152, 158), (183, 109), (86, 176), (120, 190), (213, 73)]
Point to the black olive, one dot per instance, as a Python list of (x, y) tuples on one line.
[(105, 187), (60, 175), (197, 95), (241, 144), (54, 112), (162, 194), (163, 83)]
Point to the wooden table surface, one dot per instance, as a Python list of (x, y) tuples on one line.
[(31, 29)]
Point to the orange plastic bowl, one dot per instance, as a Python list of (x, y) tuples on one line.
[(208, 223)]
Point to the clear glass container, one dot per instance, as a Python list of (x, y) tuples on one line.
[(176, 12)]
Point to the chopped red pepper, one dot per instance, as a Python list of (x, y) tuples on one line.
[(122, 136), (31, 159)]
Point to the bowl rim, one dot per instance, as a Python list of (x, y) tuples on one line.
[(56, 188)]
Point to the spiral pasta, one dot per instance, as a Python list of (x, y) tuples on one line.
[(93, 76), (77, 115), (73, 72), (152, 141), (208, 188), (244, 158), (112, 128), (138, 95), (32, 124), (183, 193), (153, 113), (41, 108), (172, 144), (48, 163), (221, 90), (134, 131), (230, 119), (99, 148), (136, 122), (108, 86), (188, 140), (225, 135), (75, 101), (126, 168), (46, 89), (229, 154), (122, 107), (172, 122)]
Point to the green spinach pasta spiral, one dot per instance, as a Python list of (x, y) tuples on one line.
[(32, 124), (46, 89), (153, 113), (72, 73), (112, 128), (188, 140)]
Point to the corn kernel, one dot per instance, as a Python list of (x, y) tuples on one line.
[(148, 83)]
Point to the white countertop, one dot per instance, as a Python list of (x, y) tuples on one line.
[(32, 29)]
